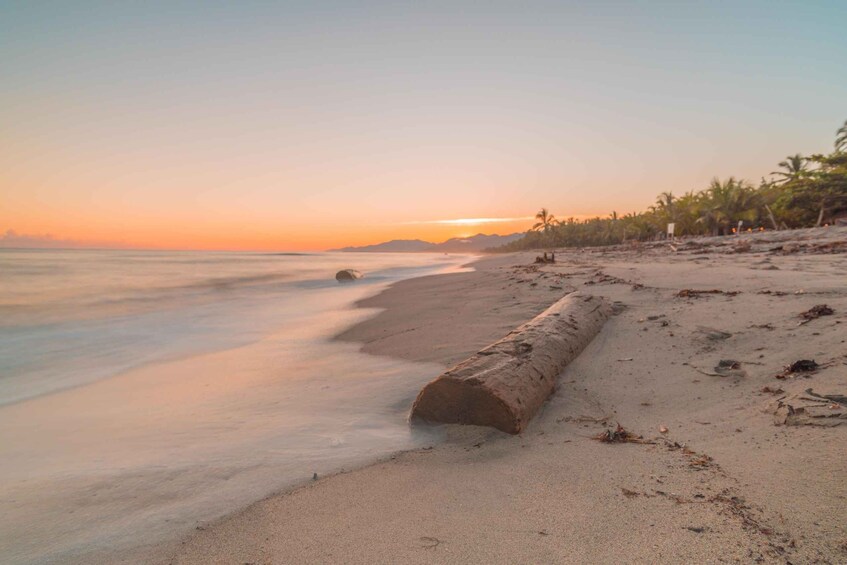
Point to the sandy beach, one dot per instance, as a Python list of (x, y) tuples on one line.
[(718, 477), (423, 282)]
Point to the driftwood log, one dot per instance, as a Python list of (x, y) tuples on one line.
[(505, 384)]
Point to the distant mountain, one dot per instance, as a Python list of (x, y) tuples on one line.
[(477, 242), (471, 244), (393, 246)]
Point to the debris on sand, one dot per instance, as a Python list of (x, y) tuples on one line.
[(697, 461), (730, 368), (620, 435), (838, 398), (739, 508), (771, 390), (809, 409), (525, 269), (741, 247), (812, 248), (714, 334), (832, 247), (802, 366), (816, 312), (700, 461), (724, 368), (691, 293), (773, 292), (546, 258), (602, 278)]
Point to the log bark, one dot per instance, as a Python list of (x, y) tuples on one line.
[(505, 384)]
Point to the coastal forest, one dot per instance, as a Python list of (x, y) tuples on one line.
[(805, 191)]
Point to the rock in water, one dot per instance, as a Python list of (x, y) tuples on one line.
[(505, 384), (347, 275)]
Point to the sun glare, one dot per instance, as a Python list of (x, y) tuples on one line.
[(471, 221)]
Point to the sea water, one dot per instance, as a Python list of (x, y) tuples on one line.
[(144, 393)]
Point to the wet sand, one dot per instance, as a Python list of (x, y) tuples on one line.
[(724, 483)]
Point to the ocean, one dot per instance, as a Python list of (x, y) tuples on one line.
[(145, 393)]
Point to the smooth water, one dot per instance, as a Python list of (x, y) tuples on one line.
[(144, 393)]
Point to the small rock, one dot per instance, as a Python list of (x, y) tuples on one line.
[(347, 275)]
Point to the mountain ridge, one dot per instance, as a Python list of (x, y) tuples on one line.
[(474, 243)]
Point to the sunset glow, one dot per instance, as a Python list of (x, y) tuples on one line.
[(474, 221), (322, 128)]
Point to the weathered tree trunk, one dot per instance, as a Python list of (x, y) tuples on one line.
[(772, 218), (505, 384), (820, 215)]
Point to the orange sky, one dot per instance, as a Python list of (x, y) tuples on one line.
[(287, 126), (203, 226)]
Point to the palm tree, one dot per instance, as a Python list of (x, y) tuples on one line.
[(664, 212), (841, 138), (546, 221), (665, 202), (795, 166), (727, 202)]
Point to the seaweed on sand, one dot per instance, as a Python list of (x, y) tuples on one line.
[(620, 435)]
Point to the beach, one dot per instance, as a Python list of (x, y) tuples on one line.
[(143, 393), (423, 282), (717, 477)]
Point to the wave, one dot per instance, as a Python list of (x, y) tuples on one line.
[(122, 301)]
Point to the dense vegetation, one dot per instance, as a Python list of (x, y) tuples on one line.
[(804, 192)]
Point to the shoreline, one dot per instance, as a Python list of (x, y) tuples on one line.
[(195, 438), (413, 305), (388, 302), (739, 489)]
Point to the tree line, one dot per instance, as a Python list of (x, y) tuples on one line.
[(805, 191)]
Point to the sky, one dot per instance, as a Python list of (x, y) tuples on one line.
[(310, 125)]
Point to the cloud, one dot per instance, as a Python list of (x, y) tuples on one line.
[(14, 239), (470, 221)]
